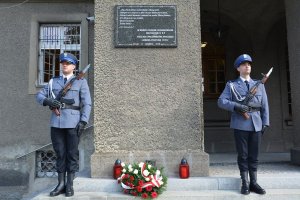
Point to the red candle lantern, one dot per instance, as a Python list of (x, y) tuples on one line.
[(184, 169), (117, 169)]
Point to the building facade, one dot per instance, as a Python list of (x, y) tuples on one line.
[(145, 93)]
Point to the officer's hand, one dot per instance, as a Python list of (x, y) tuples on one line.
[(51, 103), (241, 108), (80, 128), (263, 129)]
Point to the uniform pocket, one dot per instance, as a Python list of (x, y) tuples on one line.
[(257, 98), (56, 89), (241, 92), (74, 90), (75, 112), (73, 93)]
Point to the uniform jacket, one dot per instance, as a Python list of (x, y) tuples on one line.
[(79, 91), (257, 118)]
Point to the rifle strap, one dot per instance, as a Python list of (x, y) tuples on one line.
[(61, 93), (67, 89)]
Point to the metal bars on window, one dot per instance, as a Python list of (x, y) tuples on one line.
[(55, 39), (45, 163)]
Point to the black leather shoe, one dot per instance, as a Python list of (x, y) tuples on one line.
[(245, 183), (69, 191), (69, 185), (245, 190), (254, 187), (60, 188), (257, 189)]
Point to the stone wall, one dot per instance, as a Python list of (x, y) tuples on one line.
[(148, 101)]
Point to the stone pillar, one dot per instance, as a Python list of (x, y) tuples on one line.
[(293, 38), (148, 101)]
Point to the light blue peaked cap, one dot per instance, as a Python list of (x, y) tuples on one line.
[(241, 59), (68, 57)]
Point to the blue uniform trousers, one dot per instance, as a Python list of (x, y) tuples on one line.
[(247, 146), (65, 143)]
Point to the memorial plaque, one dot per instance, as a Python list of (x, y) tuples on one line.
[(145, 26)]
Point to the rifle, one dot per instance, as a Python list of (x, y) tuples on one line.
[(253, 91), (67, 87)]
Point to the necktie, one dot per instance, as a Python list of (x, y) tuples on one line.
[(247, 84), (65, 80)]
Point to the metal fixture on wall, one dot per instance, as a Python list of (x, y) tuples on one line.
[(203, 44)]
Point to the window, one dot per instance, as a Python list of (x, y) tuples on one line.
[(214, 76), (55, 39), (213, 64)]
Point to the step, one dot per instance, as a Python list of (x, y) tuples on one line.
[(89, 188), (281, 181), (192, 184), (272, 194)]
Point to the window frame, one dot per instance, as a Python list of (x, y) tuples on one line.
[(36, 20)]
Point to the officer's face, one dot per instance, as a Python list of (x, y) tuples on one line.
[(244, 68), (67, 68)]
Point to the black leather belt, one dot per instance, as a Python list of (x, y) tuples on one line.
[(65, 106), (251, 109)]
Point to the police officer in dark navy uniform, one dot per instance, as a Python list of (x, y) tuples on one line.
[(247, 132), (67, 127)]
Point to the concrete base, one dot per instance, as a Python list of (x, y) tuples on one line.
[(102, 163), (295, 156)]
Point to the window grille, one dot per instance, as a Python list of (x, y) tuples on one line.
[(55, 39), (45, 163)]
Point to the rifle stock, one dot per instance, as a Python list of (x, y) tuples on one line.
[(56, 112), (245, 115)]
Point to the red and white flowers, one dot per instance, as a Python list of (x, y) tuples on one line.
[(142, 180)]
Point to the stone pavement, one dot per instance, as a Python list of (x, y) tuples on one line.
[(280, 179)]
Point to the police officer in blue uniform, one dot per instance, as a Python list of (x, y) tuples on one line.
[(67, 127), (247, 132)]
